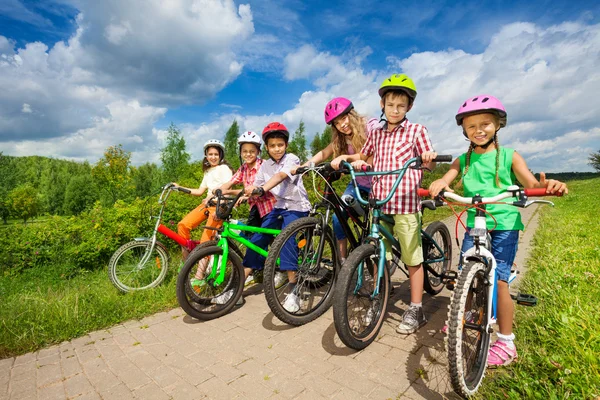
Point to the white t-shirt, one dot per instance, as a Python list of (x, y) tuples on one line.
[(215, 177)]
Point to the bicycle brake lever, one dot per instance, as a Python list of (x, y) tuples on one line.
[(530, 202)]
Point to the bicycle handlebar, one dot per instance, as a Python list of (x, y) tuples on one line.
[(326, 167), (223, 211), (182, 189), (511, 191)]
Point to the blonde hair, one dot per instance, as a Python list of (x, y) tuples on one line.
[(357, 140)]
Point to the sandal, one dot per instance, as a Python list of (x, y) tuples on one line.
[(500, 354)]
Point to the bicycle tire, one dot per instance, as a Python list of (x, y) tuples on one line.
[(232, 247), (468, 309), (351, 303), (202, 303), (315, 283), (439, 232), (127, 275)]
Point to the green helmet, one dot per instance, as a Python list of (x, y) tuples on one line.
[(399, 82)]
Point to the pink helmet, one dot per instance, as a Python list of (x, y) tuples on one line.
[(482, 104), (336, 107)]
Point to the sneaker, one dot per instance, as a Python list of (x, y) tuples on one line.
[(292, 303), (223, 297), (281, 279), (412, 320), (249, 280), (501, 354)]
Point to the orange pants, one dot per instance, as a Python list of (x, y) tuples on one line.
[(195, 218)]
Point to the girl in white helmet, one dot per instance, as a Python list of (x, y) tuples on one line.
[(216, 173)]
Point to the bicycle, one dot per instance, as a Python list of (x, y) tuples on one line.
[(143, 263), (472, 308), (363, 287), (318, 261), (212, 278)]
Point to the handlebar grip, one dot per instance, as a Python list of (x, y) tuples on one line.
[(301, 170), (184, 190), (540, 192), (365, 168), (422, 192), (443, 158), (259, 191)]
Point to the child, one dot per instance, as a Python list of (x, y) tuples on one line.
[(216, 173), (292, 203), (487, 169), (348, 131), (391, 145), (249, 147)]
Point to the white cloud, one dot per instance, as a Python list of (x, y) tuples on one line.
[(26, 108)]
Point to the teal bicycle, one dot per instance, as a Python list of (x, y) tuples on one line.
[(212, 279), (363, 286)]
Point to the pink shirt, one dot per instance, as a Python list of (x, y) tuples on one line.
[(390, 150), (246, 176)]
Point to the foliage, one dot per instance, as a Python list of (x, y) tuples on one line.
[(146, 179), (297, 145), (112, 174), (173, 156), (315, 145), (80, 195), (23, 201), (559, 347), (231, 146), (594, 159)]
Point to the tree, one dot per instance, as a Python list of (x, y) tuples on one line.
[(315, 145), (595, 160), (175, 159), (112, 174), (231, 146), (81, 193), (325, 137), (7, 182), (298, 143), (146, 179), (23, 201)]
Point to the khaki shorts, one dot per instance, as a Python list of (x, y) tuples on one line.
[(407, 230)]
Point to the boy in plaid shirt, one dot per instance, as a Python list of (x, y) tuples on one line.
[(392, 144)]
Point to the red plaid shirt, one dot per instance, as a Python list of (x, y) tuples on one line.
[(246, 176), (390, 151)]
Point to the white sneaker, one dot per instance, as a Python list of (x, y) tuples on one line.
[(292, 303), (223, 297), (369, 317), (280, 279), (249, 280)]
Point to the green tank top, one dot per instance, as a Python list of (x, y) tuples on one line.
[(481, 179)]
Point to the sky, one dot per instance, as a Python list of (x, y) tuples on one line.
[(78, 76)]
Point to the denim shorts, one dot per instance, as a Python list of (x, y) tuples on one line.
[(504, 249)]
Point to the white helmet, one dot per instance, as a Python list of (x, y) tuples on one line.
[(249, 137), (214, 143)]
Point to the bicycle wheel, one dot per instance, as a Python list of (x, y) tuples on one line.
[(202, 298), (134, 267), (315, 282), (358, 316), (438, 231), (232, 247), (468, 336)]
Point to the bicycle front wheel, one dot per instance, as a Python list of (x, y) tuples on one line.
[(313, 293), (357, 314), (138, 266), (202, 297), (436, 260), (468, 337)]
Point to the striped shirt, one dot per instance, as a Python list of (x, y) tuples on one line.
[(290, 194), (246, 176), (390, 151)]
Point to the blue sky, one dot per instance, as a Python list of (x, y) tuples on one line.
[(77, 76)]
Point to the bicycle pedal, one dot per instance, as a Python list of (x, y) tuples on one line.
[(524, 299), (450, 285)]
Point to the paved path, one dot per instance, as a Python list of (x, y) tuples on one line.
[(248, 354)]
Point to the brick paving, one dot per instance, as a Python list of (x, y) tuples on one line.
[(248, 354)]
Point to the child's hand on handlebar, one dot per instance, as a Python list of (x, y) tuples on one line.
[(428, 156), (552, 185), (357, 165), (335, 163), (437, 186), (241, 200)]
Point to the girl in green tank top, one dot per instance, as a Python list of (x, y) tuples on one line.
[(487, 169)]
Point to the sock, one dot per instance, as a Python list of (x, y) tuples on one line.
[(292, 287), (508, 339), (418, 305)]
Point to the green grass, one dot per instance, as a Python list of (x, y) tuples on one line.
[(559, 340), (41, 307)]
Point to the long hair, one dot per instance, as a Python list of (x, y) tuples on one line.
[(468, 158), (358, 138)]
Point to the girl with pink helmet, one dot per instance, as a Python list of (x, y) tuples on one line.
[(348, 137), (487, 169)]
